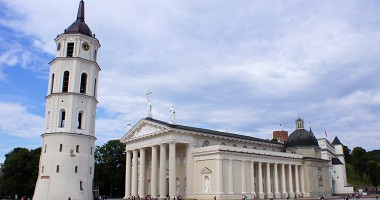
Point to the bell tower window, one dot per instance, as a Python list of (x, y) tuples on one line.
[(70, 49), (83, 83), (62, 116), (95, 88), (52, 84), (65, 83), (80, 120)]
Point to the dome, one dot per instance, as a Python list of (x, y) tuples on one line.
[(301, 137), (79, 26)]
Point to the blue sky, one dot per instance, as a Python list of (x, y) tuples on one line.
[(241, 66)]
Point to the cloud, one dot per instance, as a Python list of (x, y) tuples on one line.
[(246, 66), (16, 120)]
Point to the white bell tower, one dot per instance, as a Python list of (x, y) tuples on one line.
[(66, 168)]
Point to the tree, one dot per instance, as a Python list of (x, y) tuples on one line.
[(110, 168), (373, 171), (359, 158), (347, 155), (20, 171)]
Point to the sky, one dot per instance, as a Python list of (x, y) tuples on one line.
[(246, 67)]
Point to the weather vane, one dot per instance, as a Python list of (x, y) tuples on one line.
[(149, 103)]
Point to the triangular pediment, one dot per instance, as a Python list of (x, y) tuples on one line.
[(206, 170), (144, 128)]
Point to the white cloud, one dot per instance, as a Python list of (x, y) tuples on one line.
[(245, 66), (16, 120)]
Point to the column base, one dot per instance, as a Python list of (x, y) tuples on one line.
[(299, 194), (261, 195), (231, 193), (306, 194), (125, 197), (253, 194), (269, 195), (277, 195), (291, 194), (284, 195)]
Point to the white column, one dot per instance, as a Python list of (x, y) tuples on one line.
[(189, 171), (260, 180), (252, 168), (219, 177), (243, 188), (290, 181), (172, 170), (162, 171), (128, 175), (268, 182), (302, 181), (153, 176), (134, 173), (283, 184), (230, 178), (297, 180), (275, 179), (142, 181)]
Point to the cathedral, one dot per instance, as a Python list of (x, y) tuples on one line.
[(168, 159), (165, 159)]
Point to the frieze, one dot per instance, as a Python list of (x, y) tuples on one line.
[(157, 139), (247, 158)]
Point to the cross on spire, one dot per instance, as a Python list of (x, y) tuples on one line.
[(149, 103)]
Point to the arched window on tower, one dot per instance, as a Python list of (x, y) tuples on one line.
[(57, 169), (62, 116), (83, 83), (95, 88), (65, 82), (48, 120), (95, 55), (80, 120), (80, 185), (92, 125), (52, 84)]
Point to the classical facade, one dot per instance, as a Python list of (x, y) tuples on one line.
[(167, 159), (66, 167)]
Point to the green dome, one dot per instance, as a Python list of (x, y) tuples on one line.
[(301, 137)]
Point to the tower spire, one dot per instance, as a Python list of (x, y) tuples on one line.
[(80, 15)]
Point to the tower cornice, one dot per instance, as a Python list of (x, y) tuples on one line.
[(73, 58), (76, 35), (70, 93), (67, 133)]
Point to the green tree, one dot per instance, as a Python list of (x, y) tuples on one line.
[(373, 171), (347, 154), (359, 158), (110, 168), (20, 171)]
